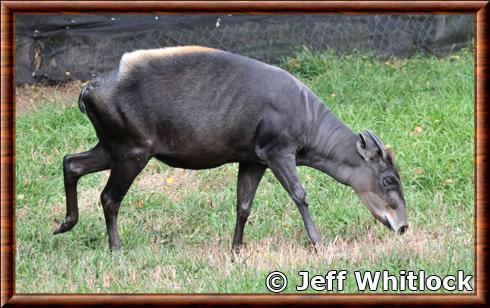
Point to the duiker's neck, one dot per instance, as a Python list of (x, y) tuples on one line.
[(330, 144)]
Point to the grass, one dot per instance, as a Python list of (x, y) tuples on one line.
[(176, 225)]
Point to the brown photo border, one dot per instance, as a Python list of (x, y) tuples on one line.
[(479, 9)]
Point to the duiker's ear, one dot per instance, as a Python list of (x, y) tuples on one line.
[(379, 144), (390, 155), (362, 148)]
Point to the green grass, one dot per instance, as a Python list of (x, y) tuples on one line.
[(176, 236)]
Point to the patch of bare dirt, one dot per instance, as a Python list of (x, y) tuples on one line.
[(28, 98)]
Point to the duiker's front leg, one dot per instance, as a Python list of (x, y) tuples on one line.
[(122, 176), (283, 165), (74, 167), (249, 176)]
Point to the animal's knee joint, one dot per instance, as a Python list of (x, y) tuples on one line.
[(299, 195), (71, 168), (104, 198), (108, 203), (243, 213)]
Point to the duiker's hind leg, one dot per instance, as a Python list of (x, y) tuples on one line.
[(122, 176), (74, 167)]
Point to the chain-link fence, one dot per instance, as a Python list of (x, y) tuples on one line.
[(66, 47)]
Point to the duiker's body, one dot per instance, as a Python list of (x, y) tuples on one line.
[(198, 108)]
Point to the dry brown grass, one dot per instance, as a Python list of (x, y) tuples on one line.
[(286, 253)]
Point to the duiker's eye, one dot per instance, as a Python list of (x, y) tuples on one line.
[(389, 181), (393, 205)]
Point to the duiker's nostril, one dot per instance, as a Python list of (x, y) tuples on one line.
[(403, 229)]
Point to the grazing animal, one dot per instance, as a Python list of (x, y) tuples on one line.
[(198, 108)]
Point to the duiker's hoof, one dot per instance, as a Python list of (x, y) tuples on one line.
[(64, 227), (115, 252), (316, 246), (236, 253)]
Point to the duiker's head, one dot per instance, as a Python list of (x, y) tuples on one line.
[(378, 183)]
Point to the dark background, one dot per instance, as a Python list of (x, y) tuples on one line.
[(57, 48)]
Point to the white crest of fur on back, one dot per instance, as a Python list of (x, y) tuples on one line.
[(130, 59)]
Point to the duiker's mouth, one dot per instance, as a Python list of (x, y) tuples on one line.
[(386, 222), (399, 230), (367, 198)]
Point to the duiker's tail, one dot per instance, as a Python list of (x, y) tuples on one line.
[(81, 103)]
